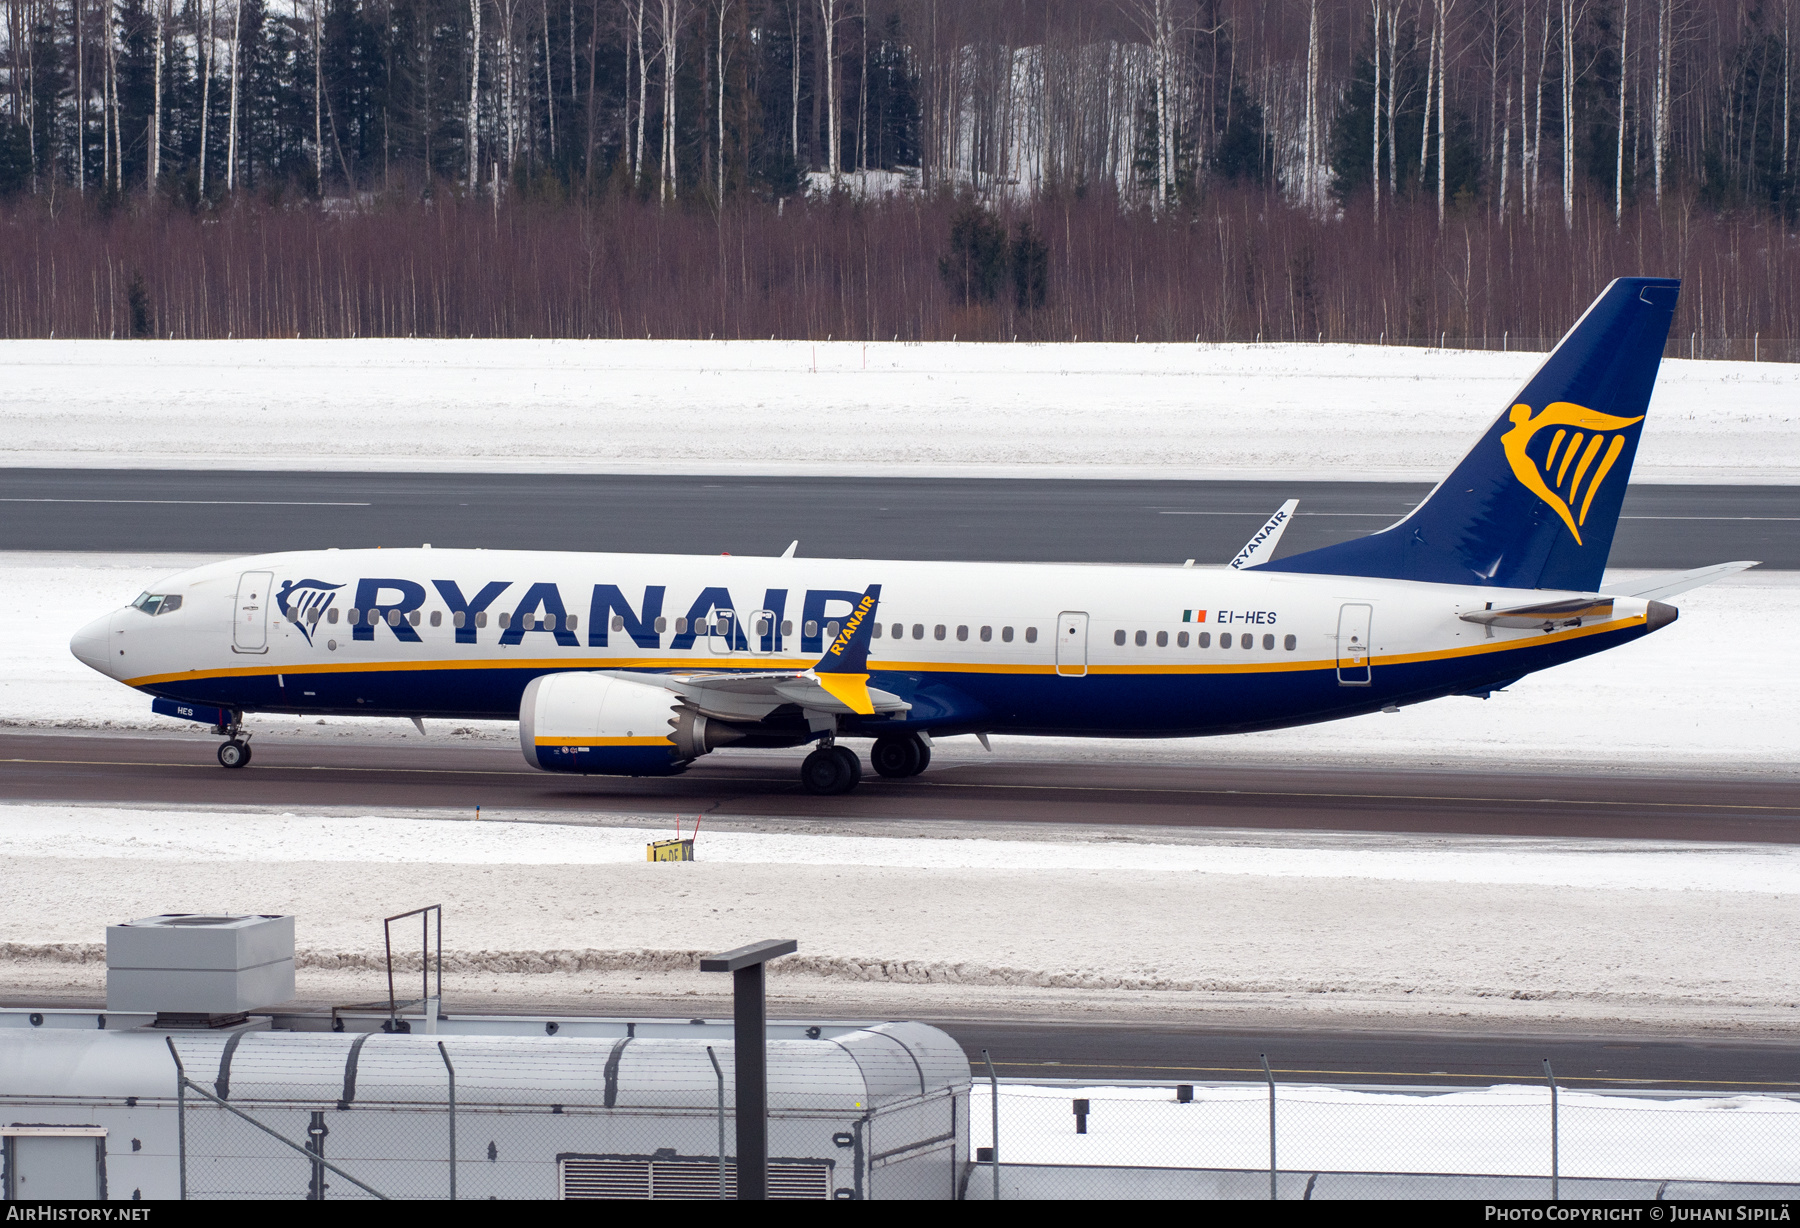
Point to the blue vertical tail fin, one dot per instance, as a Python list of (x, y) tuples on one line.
[(1535, 503)]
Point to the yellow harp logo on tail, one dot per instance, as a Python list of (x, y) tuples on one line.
[(1581, 452)]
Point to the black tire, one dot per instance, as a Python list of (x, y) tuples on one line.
[(234, 754), (852, 767), (895, 756), (899, 755), (824, 773)]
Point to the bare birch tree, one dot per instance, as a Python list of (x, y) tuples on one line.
[(205, 16), (1375, 111), (1624, 77), (231, 129), (671, 20), (474, 119), (156, 115), (834, 145)]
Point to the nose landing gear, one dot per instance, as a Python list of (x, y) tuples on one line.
[(235, 752)]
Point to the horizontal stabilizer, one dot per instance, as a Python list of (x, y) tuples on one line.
[(1261, 546), (1547, 616), (1670, 586)]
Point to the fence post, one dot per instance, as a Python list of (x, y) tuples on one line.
[(180, 1114), (1270, 1076), (719, 1074), (1756, 348), (994, 1104), (445, 1053), (1555, 1153)]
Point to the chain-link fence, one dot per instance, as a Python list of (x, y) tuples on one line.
[(1268, 1140), (854, 1115)]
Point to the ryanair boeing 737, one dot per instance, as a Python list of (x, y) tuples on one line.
[(637, 665)]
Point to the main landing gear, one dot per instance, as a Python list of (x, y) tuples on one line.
[(234, 753), (898, 755), (836, 769), (831, 769)]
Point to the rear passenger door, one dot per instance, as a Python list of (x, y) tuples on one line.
[(1071, 644)]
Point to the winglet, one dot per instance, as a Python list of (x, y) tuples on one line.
[(843, 670), (849, 652), (1261, 547)]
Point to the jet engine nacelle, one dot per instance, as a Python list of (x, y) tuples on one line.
[(597, 725)]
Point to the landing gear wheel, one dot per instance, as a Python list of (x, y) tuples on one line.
[(899, 755), (234, 754), (852, 766), (824, 772)]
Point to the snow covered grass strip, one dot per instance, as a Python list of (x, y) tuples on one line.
[(1335, 412)]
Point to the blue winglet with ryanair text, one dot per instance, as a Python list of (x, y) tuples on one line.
[(844, 669)]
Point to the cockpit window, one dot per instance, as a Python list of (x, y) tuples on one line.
[(157, 603)]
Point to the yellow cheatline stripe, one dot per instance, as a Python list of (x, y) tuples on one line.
[(602, 741), (750, 664)]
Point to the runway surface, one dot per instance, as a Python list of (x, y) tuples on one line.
[(1176, 1053), (384, 776), (869, 517)]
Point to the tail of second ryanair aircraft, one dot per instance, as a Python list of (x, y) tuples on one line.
[(1535, 503)]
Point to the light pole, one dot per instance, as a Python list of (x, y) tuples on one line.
[(751, 1043)]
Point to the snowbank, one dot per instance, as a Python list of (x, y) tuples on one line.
[(1712, 692), (1068, 410), (1369, 927)]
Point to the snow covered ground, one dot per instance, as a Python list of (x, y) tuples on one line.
[(908, 918), (1504, 1129), (1067, 410), (1712, 692)]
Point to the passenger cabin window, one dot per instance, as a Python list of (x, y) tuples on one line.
[(762, 626), (481, 619), (353, 616), (1162, 639), (618, 622), (1181, 639), (898, 631), (437, 618), (1006, 635), (549, 622), (876, 633), (661, 625), (505, 620), (456, 620), (312, 616), (1247, 640), (831, 630), (1205, 640), (962, 633), (937, 632), (1118, 636), (573, 621), (331, 616), (1031, 635), (1225, 639), (681, 626), (414, 618), (1268, 643), (393, 618), (1290, 643), (918, 631), (811, 629), (987, 633), (1141, 639)]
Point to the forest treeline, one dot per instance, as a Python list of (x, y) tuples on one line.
[(1352, 168)]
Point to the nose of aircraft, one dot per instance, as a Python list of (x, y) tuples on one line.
[(92, 645)]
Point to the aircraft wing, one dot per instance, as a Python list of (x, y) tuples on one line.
[(838, 684)]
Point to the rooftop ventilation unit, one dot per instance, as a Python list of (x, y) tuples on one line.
[(197, 969)]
